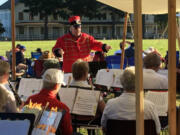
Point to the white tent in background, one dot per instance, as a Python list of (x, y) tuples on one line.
[(148, 6)]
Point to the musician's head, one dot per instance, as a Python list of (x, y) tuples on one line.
[(52, 79), (4, 71), (80, 70), (75, 25), (152, 61), (128, 79)]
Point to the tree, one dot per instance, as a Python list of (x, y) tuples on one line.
[(86, 8), (2, 30), (45, 8)]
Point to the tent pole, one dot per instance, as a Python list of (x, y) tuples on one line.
[(124, 39), (177, 34), (138, 67), (13, 40), (172, 66)]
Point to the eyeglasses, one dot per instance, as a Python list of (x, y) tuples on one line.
[(76, 26)]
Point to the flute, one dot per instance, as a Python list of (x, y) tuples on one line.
[(18, 99)]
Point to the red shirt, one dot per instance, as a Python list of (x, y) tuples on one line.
[(75, 48), (48, 96)]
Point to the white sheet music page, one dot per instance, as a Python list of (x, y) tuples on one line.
[(160, 99), (86, 102), (66, 78), (104, 78), (28, 87), (67, 96)]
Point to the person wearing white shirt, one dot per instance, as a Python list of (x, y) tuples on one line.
[(124, 106), (7, 100), (152, 79)]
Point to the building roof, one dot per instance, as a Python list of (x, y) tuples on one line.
[(7, 5)]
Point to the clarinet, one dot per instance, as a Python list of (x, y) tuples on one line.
[(18, 99)]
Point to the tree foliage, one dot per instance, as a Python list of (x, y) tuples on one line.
[(45, 8), (2, 30), (88, 8)]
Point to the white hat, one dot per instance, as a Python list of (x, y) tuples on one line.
[(53, 76)]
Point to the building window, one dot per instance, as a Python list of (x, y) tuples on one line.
[(104, 30), (41, 17), (21, 30), (21, 17), (31, 16), (55, 17), (91, 30), (42, 30), (104, 16), (98, 30)]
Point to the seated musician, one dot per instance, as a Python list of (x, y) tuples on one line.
[(52, 80), (80, 71), (152, 79), (7, 99), (124, 106)]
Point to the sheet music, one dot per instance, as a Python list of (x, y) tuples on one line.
[(111, 78), (28, 87), (49, 121), (104, 78), (66, 78), (67, 96), (14, 127), (86, 102), (160, 99)]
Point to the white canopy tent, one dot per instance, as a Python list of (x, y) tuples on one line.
[(139, 7), (148, 6)]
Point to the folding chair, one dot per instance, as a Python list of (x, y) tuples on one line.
[(19, 116), (35, 55), (177, 57), (131, 61), (128, 127), (38, 68), (113, 61)]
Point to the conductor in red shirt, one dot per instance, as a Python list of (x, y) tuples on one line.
[(76, 45)]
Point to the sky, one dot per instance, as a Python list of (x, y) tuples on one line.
[(2, 1)]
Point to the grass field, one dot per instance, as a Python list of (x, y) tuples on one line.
[(160, 44)]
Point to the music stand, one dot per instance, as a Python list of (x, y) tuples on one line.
[(95, 66), (19, 116)]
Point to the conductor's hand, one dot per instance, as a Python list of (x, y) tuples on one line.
[(108, 47)]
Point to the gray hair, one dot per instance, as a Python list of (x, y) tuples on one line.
[(128, 79), (4, 67), (48, 85), (152, 60)]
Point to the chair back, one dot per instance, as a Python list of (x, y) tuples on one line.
[(38, 68), (114, 61), (131, 61), (128, 127), (35, 55), (19, 116)]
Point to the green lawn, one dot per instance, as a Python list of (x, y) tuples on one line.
[(160, 44)]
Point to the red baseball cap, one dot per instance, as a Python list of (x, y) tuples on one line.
[(75, 20)]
